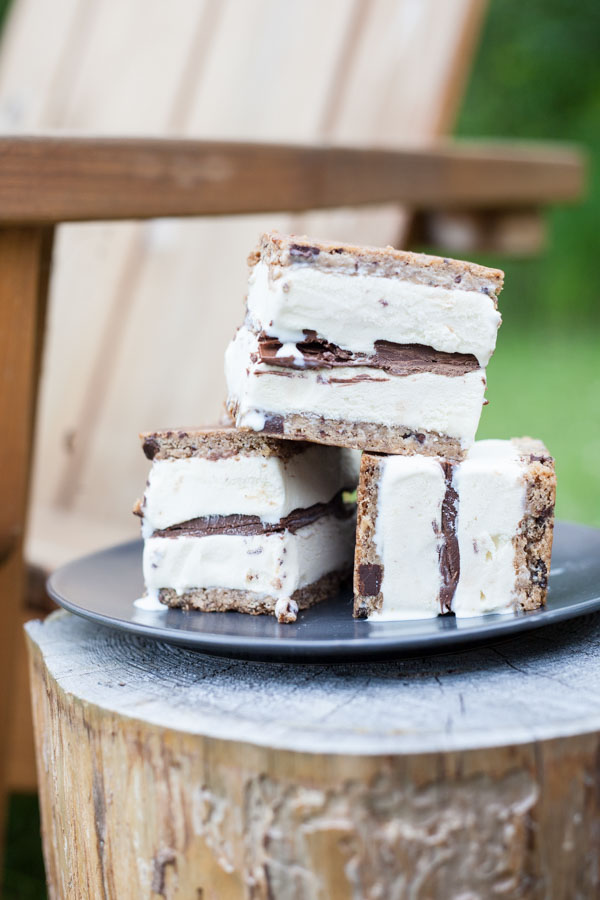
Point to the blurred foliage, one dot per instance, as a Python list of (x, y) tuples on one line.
[(4, 7), (537, 75), (550, 389), (24, 877)]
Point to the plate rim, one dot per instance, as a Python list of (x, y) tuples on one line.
[(294, 649)]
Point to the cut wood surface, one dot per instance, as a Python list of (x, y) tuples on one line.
[(62, 179), (172, 774)]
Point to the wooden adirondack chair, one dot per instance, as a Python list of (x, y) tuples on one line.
[(139, 314)]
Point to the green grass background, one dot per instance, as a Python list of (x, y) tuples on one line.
[(536, 75), (548, 385)]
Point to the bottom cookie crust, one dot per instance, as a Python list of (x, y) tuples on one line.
[(226, 599), (359, 435)]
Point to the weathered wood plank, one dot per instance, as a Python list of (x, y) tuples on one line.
[(408, 69), (24, 270), (71, 179), (104, 68)]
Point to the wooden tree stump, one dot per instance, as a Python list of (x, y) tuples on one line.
[(165, 773)]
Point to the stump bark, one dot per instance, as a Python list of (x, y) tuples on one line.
[(166, 773)]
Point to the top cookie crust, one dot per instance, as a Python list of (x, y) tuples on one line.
[(533, 454), (215, 442), (279, 250), (532, 450)]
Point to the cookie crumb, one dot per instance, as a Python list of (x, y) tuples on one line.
[(286, 610)]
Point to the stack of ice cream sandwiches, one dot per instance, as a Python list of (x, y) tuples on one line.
[(344, 349)]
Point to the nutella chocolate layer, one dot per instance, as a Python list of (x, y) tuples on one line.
[(251, 525), (449, 552), (395, 359)]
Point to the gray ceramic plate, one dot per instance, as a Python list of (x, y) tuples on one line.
[(103, 587)]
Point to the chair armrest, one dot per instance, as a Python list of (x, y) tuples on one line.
[(67, 179)]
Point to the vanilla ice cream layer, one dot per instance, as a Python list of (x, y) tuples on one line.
[(491, 490), (275, 564), (448, 405), (354, 311), (411, 491), (268, 487)]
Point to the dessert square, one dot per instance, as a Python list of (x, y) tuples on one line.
[(471, 537), (238, 521), (362, 347)]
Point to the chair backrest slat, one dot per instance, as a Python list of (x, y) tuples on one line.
[(140, 313)]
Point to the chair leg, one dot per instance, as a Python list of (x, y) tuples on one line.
[(25, 255)]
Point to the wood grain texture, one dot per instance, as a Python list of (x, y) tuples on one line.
[(205, 71), (171, 774), (72, 179), (24, 271)]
